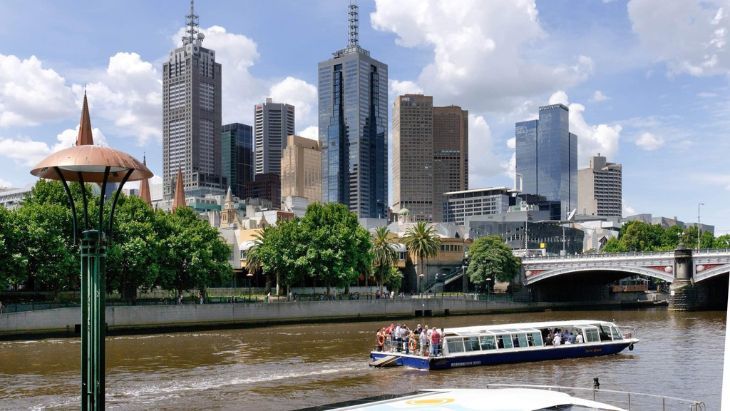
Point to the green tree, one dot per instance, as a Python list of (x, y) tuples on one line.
[(614, 245), (12, 259), (393, 279), (337, 246), (132, 256), (722, 241), (384, 255), (491, 260), (639, 236), (422, 242), (192, 254)]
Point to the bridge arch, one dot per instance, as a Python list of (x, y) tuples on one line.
[(664, 276), (712, 272)]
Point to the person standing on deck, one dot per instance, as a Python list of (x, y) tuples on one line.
[(423, 340), (435, 342)]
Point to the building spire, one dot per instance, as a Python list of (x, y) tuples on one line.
[(179, 199), (191, 33), (354, 23), (85, 138), (144, 187)]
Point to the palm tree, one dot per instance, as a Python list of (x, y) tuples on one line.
[(384, 254), (422, 242)]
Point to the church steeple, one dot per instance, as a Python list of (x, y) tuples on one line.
[(144, 187), (179, 199), (85, 137)]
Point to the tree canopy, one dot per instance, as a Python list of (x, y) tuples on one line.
[(639, 236), (490, 259)]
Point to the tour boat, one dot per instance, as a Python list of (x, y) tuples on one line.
[(512, 343)]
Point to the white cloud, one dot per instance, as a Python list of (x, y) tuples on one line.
[(479, 50), (483, 163), (649, 142), (712, 179), (300, 94), (399, 88), (310, 132), (5, 184), (28, 152), (512, 143), (128, 95), (31, 94), (628, 210), (695, 40), (598, 96), (592, 139)]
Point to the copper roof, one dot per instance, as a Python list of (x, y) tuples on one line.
[(179, 199), (144, 188)]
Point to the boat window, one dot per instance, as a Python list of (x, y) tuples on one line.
[(616, 334), (504, 341), (534, 338), (455, 345), (471, 344), (605, 332), (592, 335), (487, 342), (519, 340)]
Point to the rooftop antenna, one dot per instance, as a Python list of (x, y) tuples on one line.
[(192, 23), (353, 19)]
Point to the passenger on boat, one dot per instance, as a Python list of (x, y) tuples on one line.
[(549, 339), (380, 337), (556, 339), (435, 342), (404, 336), (423, 339), (397, 338), (579, 338)]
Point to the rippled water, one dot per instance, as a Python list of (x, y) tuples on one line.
[(286, 367)]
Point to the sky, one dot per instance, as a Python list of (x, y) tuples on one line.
[(646, 81)]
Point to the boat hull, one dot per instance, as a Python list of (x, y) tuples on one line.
[(506, 356)]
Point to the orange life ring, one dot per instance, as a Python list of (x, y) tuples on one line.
[(381, 339), (412, 344)]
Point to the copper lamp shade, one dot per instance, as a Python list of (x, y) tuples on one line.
[(91, 162)]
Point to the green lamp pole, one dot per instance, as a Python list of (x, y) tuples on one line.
[(87, 163)]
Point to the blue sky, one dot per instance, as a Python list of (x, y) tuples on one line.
[(646, 80)]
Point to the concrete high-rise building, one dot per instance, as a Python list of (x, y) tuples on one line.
[(459, 205), (353, 127), (547, 156), (450, 154), (273, 122), (301, 169), (600, 188), (430, 155), (237, 156), (191, 115), (413, 156)]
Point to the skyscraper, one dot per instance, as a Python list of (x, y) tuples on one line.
[(430, 155), (600, 188), (301, 169), (237, 156), (546, 154), (450, 154), (353, 127), (413, 156), (273, 122), (191, 115)]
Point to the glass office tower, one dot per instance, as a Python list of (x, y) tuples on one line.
[(237, 156), (547, 157), (353, 128)]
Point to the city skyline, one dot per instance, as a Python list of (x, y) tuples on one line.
[(636, 101)]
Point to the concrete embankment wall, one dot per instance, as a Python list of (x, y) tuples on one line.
[(165, 317)]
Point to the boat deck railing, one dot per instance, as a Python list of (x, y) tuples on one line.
[(627, 331), (623, 399)]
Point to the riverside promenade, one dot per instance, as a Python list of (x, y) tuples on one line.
[(153, 318)]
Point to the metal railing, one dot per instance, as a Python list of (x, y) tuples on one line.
[(602, 255), (623, 399)]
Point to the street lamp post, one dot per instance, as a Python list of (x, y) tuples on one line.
[(699, 227), (87, 163)]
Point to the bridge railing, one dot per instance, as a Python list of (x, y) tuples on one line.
[(711, 251), (601, 255)]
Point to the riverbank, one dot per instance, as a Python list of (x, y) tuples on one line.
[(163, 318)]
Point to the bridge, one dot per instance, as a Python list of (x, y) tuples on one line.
[(689, 272)]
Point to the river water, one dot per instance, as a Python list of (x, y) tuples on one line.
[(293, 366)]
